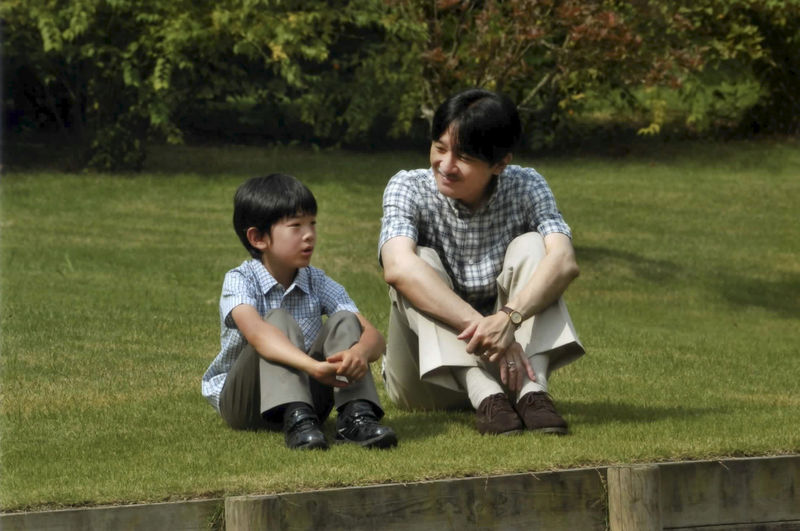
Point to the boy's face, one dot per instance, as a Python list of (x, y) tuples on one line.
[(458, 175), (290, 244)]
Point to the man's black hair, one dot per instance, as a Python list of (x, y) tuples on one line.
[(261, 202), (486, 125)]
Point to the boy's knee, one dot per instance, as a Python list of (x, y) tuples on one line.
[(345, 316), (344, 319), (283, 321)]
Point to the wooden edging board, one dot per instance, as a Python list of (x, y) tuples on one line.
[(730, 494)]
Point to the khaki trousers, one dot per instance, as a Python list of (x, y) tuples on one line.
[(254, 387), (421, 351)]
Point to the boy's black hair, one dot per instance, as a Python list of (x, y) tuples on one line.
[(486, 124), (261, 202)]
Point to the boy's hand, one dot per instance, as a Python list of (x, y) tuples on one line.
[(325, 373), (351, 364)]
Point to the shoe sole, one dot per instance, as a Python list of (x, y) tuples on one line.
[(310, 447), (509, 433), (551, 431), (387, 440)]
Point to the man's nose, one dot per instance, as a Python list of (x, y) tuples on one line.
[(447, 163)]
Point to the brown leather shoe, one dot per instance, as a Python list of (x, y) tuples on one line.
[(539, 414), (496, 416)]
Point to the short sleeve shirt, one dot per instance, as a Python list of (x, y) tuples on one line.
[(471, 245), (311, 295)]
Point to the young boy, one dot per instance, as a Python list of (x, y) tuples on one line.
[(280, 366)]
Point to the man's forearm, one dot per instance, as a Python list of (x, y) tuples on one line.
[(428, 293), (553, 275)]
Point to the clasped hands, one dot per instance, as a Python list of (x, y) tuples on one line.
[(341, 369), (492, 338)]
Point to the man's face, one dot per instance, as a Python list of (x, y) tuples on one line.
[(460, 176)]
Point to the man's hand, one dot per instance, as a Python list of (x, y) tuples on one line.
[(350, 364), (513, 363), (489, 337)]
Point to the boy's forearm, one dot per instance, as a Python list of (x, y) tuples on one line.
[(270, 343), (277, 348)]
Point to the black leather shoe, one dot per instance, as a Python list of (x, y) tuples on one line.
[(357, 423), (301, 429)]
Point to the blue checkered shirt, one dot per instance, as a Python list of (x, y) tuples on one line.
[(471, 245), (311, 295)]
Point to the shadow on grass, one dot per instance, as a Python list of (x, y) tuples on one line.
[(603, 258), (781, 296), (605, 412)]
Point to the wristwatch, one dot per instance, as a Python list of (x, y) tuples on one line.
[(513, 315)]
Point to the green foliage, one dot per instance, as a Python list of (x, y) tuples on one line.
[(551, 56), (112, 75)]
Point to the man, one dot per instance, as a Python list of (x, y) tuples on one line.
[(477, 256)]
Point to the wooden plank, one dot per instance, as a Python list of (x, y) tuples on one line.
[(634, 498), (730, 492), (761, 526), (177, 516), (564, 500)]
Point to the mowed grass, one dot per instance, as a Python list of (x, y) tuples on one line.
[(688, 304)]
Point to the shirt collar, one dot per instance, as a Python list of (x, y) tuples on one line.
[(463, 211), (267, 282)]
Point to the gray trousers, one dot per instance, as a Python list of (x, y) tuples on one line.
[(255, 388), (422, 351)]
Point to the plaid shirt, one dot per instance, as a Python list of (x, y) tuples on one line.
[(471, 245), (311, 295)]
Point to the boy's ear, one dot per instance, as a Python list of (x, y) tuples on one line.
[(257, 239)]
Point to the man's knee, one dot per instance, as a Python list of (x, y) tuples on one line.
[(431, 257), (528, 245)]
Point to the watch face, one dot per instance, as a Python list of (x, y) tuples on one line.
[(516, 318)]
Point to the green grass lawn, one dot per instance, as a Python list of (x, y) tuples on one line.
[(688, 304)]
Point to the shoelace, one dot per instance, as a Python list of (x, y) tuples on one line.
[(360, 419), (303, 424)]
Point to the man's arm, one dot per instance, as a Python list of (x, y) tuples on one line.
[(273, 345), (494, 333), (553, 275), (422, 286)]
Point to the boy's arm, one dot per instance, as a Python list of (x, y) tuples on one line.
[(354, 362), (273, 345)]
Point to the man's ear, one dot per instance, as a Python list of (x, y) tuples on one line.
[(257, 239), (498, 168)]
